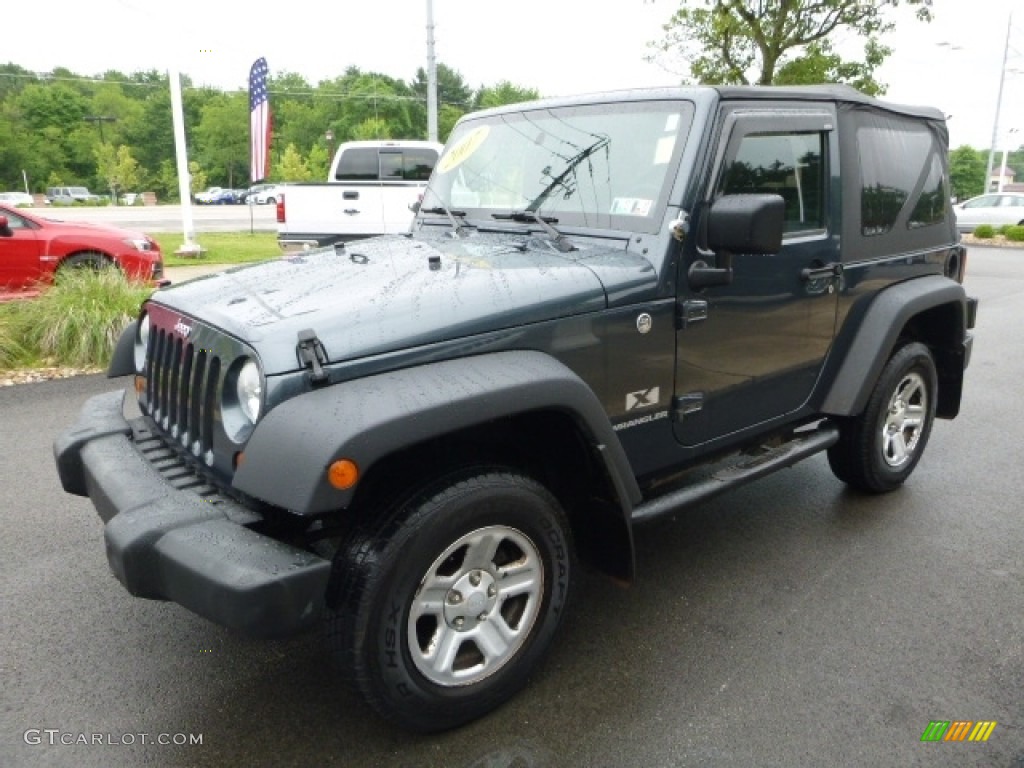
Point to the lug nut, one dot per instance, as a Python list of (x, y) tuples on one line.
[(459, 621), (454, 597), (474, 578), (492, 591), (482, 617)]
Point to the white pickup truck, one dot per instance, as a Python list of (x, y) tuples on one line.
[(370, 189)]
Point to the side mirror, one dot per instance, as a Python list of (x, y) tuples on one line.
[(415, 207), (746, 224), (5, 227)]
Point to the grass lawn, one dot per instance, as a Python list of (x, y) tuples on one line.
[(221, 247)]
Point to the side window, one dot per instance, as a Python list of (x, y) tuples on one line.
[(899, 166), (787, 164), (14, 221), (357, 164), (982, 202), (407, 165)]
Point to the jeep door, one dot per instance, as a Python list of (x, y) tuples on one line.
[(749, 350)]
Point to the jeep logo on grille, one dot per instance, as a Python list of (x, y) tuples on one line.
[(183, 328)]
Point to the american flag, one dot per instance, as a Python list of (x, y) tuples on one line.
[(259, 121)]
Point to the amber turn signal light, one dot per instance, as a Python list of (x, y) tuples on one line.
[(343, 474)]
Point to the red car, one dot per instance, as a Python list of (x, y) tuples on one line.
[(33, 248)]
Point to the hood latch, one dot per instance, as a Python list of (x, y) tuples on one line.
[(312, 355)]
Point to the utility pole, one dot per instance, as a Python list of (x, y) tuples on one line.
[(431, 76), (98, 121)]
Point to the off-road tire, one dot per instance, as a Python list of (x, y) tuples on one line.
[(422, 599), (879, 449)]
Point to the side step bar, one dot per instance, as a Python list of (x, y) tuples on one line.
[(749, 469)]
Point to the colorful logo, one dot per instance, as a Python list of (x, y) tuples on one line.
[(958, 730)]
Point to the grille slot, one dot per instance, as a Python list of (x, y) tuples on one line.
[(181, 391)]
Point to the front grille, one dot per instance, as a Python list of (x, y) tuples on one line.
[(181, 391)]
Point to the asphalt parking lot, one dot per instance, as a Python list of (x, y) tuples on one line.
[(789, 623)]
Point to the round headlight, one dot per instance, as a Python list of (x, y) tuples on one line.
[(249, 390), (141, 343)]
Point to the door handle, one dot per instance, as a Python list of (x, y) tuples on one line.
[(351, 211), (821, 272)]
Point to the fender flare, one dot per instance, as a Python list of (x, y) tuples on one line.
[(366, 419), (122, 362), (878, 332)]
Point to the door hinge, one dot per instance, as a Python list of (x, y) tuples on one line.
[(687, 405), (689, 312), (312, 355)]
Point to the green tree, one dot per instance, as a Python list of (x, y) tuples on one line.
[(165, 182), (503, 93), (197, 177), (117, 168), (291, 167), (451, 87), (318, 163), (819, 64), (222, 138), (967, 172), (747, 41)]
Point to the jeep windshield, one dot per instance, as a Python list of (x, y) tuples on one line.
[(600, 166)]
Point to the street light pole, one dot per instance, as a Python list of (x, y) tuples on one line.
[(1002, 169), (999, 104)]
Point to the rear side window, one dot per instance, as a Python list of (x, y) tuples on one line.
[(372, 164), (901, 170)]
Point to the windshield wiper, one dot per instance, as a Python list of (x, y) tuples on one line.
[(561, 241), (570, 168)]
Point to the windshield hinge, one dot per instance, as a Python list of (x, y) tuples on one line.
[(312, 355)]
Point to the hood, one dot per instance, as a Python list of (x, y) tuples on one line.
[(64, 227), (385, 294)]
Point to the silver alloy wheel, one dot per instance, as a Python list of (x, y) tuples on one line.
[(904, 420), (475, 606)]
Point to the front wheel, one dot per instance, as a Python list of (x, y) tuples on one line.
[(440, 614), (879, 449)]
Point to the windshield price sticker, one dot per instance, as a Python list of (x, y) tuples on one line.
[(463, 148)]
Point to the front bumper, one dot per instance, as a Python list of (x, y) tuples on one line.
[(169, 537)]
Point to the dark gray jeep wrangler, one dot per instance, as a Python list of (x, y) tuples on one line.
[(608, 308)]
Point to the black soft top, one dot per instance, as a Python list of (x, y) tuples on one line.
[(704, 94)]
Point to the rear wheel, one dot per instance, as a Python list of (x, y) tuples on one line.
[(439, 614), (879, 449)]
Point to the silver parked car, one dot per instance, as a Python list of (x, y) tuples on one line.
[(996, 209)]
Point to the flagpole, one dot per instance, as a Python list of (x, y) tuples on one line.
[(190, 247)]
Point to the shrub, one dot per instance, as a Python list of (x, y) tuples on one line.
[(77, 321), (1003, 229), (984, 232), (12, 351), (1016, 234)]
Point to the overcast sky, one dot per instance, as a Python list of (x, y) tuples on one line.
[(556, 46)]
